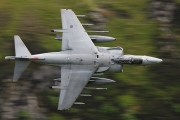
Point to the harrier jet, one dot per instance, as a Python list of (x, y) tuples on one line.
[(79, 59)]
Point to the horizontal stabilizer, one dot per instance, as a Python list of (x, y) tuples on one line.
[(20, 66), (20, 48), (21, 53)]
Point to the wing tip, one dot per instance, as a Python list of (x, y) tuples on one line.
[(61, 107)]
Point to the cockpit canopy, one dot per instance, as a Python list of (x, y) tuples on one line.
[(128, 59)]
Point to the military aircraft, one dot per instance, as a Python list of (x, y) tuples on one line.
[(79, 59)]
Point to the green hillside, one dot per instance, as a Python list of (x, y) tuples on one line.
[(140, 93)]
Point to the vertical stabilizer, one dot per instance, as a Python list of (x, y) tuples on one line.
[(20, 51)]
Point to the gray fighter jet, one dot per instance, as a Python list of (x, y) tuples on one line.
[(79, 59)]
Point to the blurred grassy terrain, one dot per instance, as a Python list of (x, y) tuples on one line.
[(138, 92)]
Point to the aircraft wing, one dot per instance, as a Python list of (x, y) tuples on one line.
[(74, 35), (73, 80), (75, 77)]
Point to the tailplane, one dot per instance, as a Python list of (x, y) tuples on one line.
[(20, 48), (21, 51), (20, 66)]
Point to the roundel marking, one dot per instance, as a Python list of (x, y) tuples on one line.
[(71, 26)]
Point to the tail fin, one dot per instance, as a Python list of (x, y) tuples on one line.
[(20, 51)]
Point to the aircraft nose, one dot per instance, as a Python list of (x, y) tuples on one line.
[(159, 60), (154, 60)]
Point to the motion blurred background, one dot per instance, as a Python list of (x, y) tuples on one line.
[(141, 27)]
